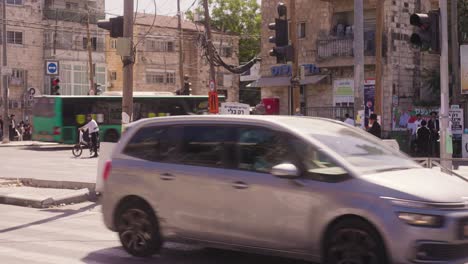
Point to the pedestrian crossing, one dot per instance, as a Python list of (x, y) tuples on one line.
[(76, 234)]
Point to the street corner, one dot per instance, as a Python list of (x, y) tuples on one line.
[(42, 197)]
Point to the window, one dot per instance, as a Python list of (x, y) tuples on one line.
[(171, 77), (260, 149), (113, 76), (155, 77), (93, 43), (203, 146), (153, 144), (17, 77), (113, 44), (160, 77), (220, 79), (14, 2), (15, 37), (226, 52), (160, 46), (301, 30), (70, 5)]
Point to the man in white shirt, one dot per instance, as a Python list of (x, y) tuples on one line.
[(93, 130), (349, 120)]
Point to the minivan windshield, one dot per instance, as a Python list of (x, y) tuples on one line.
[(363, 151)]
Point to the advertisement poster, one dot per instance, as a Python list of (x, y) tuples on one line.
[(369, 99), (464, 68), (343, 91), (404, 118)]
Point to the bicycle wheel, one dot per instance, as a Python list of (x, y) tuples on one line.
[(77, 150)]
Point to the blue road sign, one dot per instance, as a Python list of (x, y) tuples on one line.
[(52, 68)]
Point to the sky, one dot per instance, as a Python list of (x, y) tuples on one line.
[(164, 7)]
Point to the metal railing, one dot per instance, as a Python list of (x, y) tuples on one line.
[(337, 113), (343, 47)]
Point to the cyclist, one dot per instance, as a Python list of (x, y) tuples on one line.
[(93, 131)]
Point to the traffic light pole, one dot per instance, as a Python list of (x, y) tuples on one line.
[(6, 120), (295, 85), (127, 91), (209, 40), (181, 46), (358, 56), (92, 88), (445, 157)]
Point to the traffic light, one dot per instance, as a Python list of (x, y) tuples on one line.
[(427, 36), (55, 88), (282, 50), (115, 26)]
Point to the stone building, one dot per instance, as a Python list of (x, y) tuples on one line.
[(157, 58), (325, 30), (38, 31)]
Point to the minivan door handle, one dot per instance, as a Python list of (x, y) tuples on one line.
[(240, 185), (167, 177)]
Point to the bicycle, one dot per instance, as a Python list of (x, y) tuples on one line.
[(83, 143)]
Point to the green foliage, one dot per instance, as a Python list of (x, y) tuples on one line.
[(240, 17), (463, 20)]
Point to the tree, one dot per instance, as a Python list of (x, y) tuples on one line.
[(241, 17), (463, 20)]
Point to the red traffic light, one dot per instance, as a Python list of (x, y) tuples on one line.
[(55, 81)]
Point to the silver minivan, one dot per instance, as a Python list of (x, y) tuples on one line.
[(299, 187)]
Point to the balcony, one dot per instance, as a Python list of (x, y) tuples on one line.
[(332, 48), (71, 16)]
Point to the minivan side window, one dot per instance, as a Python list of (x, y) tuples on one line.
[(203, 146), (152, 144), (260, 149)]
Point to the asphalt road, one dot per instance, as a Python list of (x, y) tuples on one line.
[(47, 164), (76, 234)]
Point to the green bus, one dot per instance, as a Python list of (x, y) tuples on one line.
[(57, 118)]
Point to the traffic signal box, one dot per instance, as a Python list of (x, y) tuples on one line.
[(427, 35), (283, 51)]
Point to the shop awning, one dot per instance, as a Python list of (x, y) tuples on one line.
[(314, 79), (285, 81)]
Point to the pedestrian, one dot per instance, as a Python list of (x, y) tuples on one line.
[(423, 135), (413, 140), (374, 126), (348, 120), (434, 127), (12, 127), (1, 128), (93, 130), (20, 131), (27, 131)]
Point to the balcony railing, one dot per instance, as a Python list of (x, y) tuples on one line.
[(343, 47), (331, 112), (72, 16)]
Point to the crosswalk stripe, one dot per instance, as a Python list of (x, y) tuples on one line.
[(33, 257)]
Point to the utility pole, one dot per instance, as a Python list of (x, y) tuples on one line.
[(92, 88), (55, 33), (127, 93), (6, 120), (210, 41), (456, 92), (181, 46), (445, 157), (358, 44), (379, 109), (295, 85)]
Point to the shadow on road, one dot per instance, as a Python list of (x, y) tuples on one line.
[(183, 254), (63, 214)]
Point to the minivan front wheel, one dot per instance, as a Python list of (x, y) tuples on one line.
[(138, 230), (354, 242)]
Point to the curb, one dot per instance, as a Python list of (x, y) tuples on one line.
[(84, 191), (77, 197)]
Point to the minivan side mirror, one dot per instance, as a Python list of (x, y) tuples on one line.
[(285, 170)]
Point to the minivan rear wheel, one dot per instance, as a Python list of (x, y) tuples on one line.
[(354, 242), (138, 230)]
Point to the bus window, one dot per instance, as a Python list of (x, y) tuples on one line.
[(44, 107)]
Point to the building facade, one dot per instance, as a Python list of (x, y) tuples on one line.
[(157, 58), (325, 30), (39, 31)]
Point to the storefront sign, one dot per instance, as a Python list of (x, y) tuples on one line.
[(456, 118), (286, 70), (369, 99), (343, 91), (464, 68)]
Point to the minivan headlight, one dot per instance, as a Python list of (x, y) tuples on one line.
[(421, 219)]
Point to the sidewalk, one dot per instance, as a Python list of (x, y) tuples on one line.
[(27, 144)]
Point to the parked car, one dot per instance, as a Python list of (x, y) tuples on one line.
[(299, 187)]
